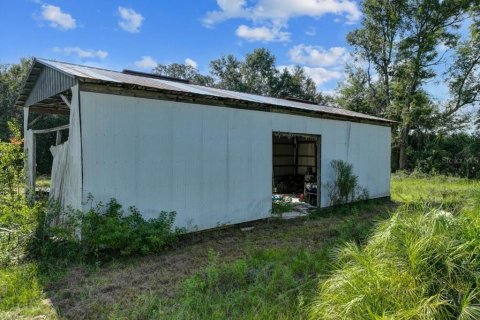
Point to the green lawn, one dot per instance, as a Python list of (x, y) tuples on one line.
[(43, 182), (270, 272)]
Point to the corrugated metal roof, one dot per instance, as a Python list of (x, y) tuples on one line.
[(109, 76)]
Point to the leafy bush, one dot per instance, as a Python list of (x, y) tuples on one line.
[(45, 230), (11, 167), (17, 217), (104, 230), (455, 154), (423, 263), (344, 187)]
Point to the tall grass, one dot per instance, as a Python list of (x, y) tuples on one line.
[(269, 283), (422, 263), (21, 294)]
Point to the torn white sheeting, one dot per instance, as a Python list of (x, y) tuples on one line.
[(66, 186), (59, 154)]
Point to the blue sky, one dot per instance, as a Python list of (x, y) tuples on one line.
[(139, 34), (136, 34)]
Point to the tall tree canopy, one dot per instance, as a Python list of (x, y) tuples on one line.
[(256, 74), (11, 80), (398, 50), (183, 71)]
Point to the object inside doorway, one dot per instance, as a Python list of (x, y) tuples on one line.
[(295, 162), (290, 206)]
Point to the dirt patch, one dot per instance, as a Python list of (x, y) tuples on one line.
[(84, 294)]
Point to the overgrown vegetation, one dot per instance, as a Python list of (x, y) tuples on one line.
[(456, 154), (44, 230), (344, 188), (17, 218), (270, 280), (104, 231), (276, 282), (423, 258), (35, 237), (420, 264), (399, 47)]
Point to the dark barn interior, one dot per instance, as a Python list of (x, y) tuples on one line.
[(295, 165)]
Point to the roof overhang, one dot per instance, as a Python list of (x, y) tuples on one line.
[(42, 89), (48, 79)]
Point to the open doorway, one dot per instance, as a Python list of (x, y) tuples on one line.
[(44, 142), (296, 163)]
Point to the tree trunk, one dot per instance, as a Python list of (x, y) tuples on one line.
[(402, 148)]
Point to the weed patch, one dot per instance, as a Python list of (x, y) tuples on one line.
[(422, 263), (102, 232), (273, 271)]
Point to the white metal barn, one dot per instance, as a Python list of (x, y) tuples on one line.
[(213, 156)]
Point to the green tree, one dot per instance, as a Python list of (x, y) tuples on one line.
[(12, 77), (375, 43), (356, 93), (398, 49), (296, 84), (465, 71), (256, 74), (227, 72), (430, 23), (183, 71), (259, 72)]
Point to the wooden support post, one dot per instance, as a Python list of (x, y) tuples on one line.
[(35, 121), (65, 100), (33, 168), (318, 159), (58, 139), (295, 156), (64, 127)]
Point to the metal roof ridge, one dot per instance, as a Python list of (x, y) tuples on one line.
[(253, 96), (48, 61)]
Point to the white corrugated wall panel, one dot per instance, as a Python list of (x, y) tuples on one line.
[(67, 164), (213, 165)]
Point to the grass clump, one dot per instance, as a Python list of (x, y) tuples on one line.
[(269, 284), (422, 263), (18, 288), (21, 293)]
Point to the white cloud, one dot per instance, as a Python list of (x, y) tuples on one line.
[(130, 20), (318, 74), (191, 62), (280, 11), (262, 34), (146, 62), (318, 56), (82, 53), (57, 18)]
